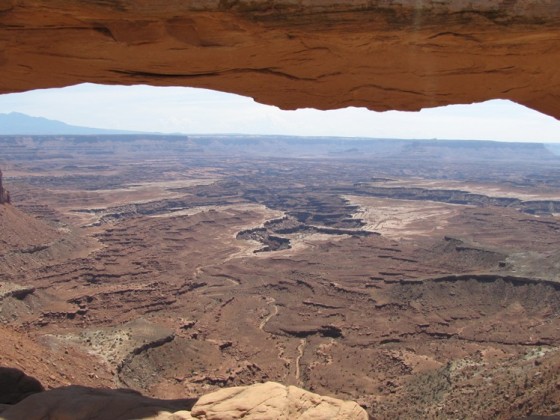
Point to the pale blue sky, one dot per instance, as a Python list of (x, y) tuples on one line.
[(188, 110)]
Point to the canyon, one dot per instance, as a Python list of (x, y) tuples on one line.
[(176, 266), (327, 54)]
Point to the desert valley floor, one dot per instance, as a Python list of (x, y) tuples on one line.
[(420, 279)]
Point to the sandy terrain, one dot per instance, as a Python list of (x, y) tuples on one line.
[(489, 189), (403, 219)]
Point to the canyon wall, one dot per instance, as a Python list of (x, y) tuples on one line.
[(4, 194), (326, 54)]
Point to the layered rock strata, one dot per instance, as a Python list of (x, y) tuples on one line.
[(378, 54)]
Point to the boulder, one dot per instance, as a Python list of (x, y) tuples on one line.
[(272, 400)]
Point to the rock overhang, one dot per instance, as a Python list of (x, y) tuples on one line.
[(378, 54)]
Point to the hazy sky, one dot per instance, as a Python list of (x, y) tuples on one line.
[(187, 110)]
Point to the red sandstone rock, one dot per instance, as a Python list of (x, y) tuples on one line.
[(16, 385), (326, 54)]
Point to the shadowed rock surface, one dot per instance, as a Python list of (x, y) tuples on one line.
[(377, 54), (260, 401), (16, 386), (82, 403)]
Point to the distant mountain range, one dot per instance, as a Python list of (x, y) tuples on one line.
[(16, 123)]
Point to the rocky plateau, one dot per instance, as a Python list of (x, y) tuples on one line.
[(368, 276)]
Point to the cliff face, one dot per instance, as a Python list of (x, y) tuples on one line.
[(4, 194), (379, 54)]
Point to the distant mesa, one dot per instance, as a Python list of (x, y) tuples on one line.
[(4, 194), (16, 123)]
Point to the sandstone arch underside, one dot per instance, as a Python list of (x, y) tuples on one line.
[(379, 54)]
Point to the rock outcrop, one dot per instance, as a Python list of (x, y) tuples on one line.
[(83, 403), (327, 54), (262, 401), (273, 401), (4, 194)]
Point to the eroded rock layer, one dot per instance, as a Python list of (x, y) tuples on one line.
[(326, 54)]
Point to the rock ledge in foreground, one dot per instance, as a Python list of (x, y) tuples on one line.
[(260, 401)]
